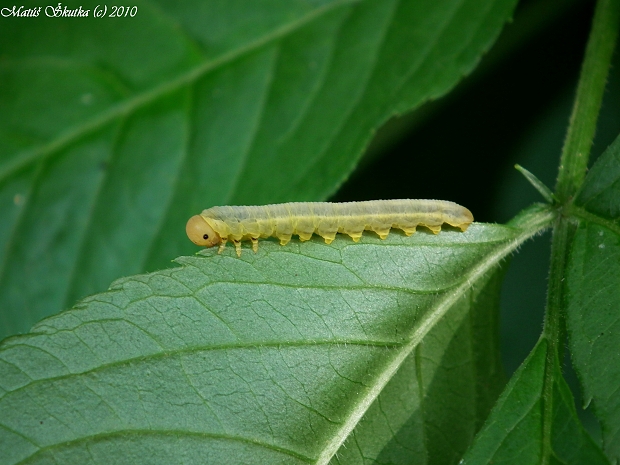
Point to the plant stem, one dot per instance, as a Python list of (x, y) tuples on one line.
[(573, 166), (594, 70), (562, 237)]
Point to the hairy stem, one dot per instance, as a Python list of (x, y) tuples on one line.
[(592, 80), (572, 171)]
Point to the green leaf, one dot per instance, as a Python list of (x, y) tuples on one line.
[(270, 358), (109, 142), (454, 373), (514, 430), (599, 193), (593, 293)]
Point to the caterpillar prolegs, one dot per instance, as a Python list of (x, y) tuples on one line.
[(217, 225)]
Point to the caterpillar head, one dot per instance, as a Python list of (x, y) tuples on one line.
[(200, 233)]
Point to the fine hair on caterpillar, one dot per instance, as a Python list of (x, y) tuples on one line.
[(217, 225)]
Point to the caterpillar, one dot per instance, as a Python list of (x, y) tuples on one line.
[(217, 225)]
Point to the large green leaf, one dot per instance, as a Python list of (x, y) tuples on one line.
[(593, 290), (297, 354), (113, 131), (514, 430)]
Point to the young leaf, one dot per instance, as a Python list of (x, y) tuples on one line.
[(537, 184), (270, 358)]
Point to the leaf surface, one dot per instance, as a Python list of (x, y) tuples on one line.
[(593, 289), (114, 131), (455, 372), (292, 355), (514, 430)]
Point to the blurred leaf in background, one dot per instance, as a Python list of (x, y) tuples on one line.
[(113, 131)]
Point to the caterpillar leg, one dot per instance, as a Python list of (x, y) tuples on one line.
[(329, 237), (434, 229), (304, 236), (254, 244), (462, 226), (222, 246), (409, 231), (383, 233), (285, 239), (355, 236), (237, 247)]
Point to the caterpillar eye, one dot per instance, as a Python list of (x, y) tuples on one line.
[(200, 233)]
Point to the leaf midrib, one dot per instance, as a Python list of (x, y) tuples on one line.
[(536, 221)]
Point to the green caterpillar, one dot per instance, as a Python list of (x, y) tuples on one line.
[(217, 225)]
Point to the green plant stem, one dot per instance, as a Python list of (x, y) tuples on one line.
[(562, 237), (594, 70), (572, 171)]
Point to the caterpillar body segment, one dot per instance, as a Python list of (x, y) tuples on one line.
[(217, 225)]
